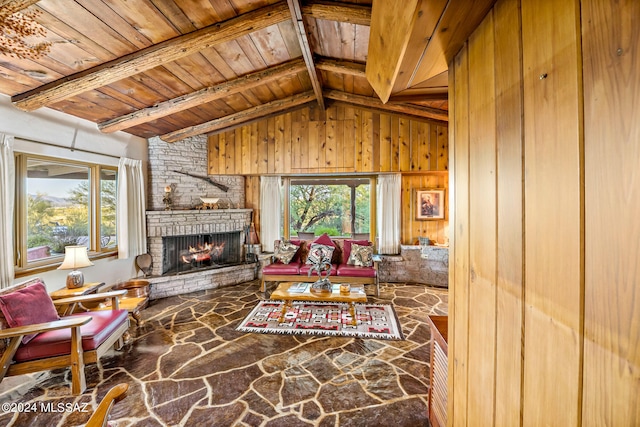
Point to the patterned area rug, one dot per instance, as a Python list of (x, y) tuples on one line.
[(323, 318)]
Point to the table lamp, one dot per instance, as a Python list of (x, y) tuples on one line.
[(75, 257)]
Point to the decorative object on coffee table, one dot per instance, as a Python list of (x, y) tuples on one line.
[(320, 262), (75, 257)]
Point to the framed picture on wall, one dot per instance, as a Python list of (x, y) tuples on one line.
[(430, 204)]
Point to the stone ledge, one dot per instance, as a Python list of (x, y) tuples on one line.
[(165, 286), (414, 266)]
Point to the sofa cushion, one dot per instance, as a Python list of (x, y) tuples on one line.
[(293, 268), (355, 271), (319, 253), (361, 256), (347, 248), (304, 270), (286, 251), (28, 306), (58, 342)]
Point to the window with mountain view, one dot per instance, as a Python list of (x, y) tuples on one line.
[(58, 207), (336, 206)]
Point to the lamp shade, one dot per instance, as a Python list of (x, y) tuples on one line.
[(75, 257)]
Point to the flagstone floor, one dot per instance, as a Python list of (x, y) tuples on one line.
[(188, 366)]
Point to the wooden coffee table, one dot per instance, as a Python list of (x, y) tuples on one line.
[(287, 293)]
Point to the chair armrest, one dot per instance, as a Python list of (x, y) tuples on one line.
[(72, 302), (90, 297), (115, 394), (44, 327)]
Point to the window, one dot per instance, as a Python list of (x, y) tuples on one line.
[(60, 203), (336, 206)]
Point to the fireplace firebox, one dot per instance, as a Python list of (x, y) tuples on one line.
[(182, 254)]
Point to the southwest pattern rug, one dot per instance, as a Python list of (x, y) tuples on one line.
[(377, 321)]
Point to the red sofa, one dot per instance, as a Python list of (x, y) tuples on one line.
[(341, 272)]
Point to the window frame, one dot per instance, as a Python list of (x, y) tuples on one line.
[(22, 265), (286, 202)]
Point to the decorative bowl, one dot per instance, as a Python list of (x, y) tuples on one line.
[(209, 200)]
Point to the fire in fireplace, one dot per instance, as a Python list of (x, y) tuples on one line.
[(189, 253)]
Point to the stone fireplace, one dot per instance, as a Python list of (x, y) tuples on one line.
[(198, 233), (197, 252), (215, 258)]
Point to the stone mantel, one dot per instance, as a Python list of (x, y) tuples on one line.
[(167, 223)]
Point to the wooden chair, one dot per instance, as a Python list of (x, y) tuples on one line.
[(100, 418), (72, 341)]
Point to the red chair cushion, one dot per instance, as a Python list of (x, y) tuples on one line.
[(28, 306), (355, 271), (293, 268), (324, 240), (58, 342)]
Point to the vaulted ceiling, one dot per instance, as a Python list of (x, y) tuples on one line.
[(178, 68)]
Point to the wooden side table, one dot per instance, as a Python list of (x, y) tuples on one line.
[(88, 288)]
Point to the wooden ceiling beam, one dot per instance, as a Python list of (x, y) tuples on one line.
[(303, 40), (341, 12), (240, 117), (399, 99), (202, 96), (434, 114), (350, 68), (151, 57)]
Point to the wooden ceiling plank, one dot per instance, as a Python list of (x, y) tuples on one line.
[(290, 39), (364, 101), (301, 33), (350, 68), (208, 94), (341, 12), (109, 18), (151, 57), (241, 117)]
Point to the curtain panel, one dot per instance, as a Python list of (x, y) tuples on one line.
[(131, 217), (388, 213), (270, 207), (7, 200)]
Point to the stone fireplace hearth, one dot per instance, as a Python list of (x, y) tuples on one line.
[(188, 223)]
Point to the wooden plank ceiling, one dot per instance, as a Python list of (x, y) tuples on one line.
[(178, 68)]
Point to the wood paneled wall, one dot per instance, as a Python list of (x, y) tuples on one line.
[(344, 140), (544, 147)]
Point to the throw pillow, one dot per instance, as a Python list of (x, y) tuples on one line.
[(361, 256), (318, 253), (324, 240), (347, 247), (285, 252), (28, 306)]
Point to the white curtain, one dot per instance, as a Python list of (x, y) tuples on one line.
[(131, 220), (270, 206), (7, 197), (388, 213)]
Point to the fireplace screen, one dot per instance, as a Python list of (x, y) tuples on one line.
[(181, 254)]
